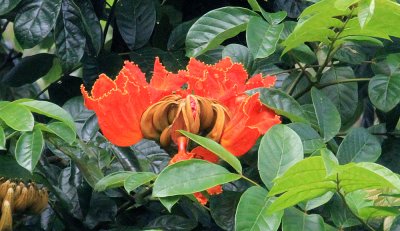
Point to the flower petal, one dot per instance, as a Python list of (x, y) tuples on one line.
[(250, 121), (202, 153), (258, 81)]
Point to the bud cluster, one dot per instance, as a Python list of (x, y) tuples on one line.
[(194, 114), (20, 197)]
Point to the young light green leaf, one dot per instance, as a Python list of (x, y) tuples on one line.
[(378, 211), (359, 146), (262, 37), (50, 110), (251, 213), (281, 103), (316, 202), (280, 148), (365, 11), (365, 175), (384, 91), (327, 115), (137, 179), (2, 139), (214, 27), (29, 148), (190, 176), (215, 148), (169, 202), (17, 117), (113, 180)]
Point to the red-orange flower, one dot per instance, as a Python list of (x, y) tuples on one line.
[(209, 100)]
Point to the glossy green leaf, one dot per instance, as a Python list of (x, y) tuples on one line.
[(29, 148), (91, 24), (223, 209), (29, 70), (135, 20), (190, 176), (262, 37), (215, 148), (169, 202), (50, 110), (366, 175), (177, 37), (343, 96), (17, 117), (365, 11), (251, 213), (281, 103), (384, 91), (171, 222), (137, 179), (35, 20), (61, 130), (239, 54), (11, 169), (280, 148), (310, 138), (210, 30), (69, 36), (316, 202), (2, 139), (296, 220), (327, 115), (8, 5), (359, 146), (113, 180)]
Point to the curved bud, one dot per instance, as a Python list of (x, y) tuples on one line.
[(6, 216)]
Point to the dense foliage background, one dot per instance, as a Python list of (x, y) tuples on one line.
[(338, 92)]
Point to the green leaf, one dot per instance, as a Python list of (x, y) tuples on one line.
[(316, 202), (378, 211), (384, 91), (136, 21), (281, 103), (60, 129), (69, 36), (35, 20), (223, 209), (2, 139), (177, 37), (210, 30), (91, 24), (215, 148), (295, 220), (190, 176), (11, 169), (365, 11), (251, 213), (343, 96), (262, 37), (137, 179), (310, 138), (171, 222), (29, 148), (359, 146), (113, 180), (303, 181), (239, 54), (280, 148), (366, 175), (17, 117), (327, 115), (28, 70), (8, 5), (274, 18), (50, 110), (169, 202)]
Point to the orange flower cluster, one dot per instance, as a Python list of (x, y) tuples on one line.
[(209, 100)]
